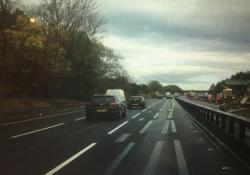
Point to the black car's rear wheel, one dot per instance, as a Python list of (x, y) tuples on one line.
[(119, 114)]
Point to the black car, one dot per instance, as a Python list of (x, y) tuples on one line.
[(104, 106), (136, 101)]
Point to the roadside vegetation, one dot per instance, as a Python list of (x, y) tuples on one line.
[(53, 50)]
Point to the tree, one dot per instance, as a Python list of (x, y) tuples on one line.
[(241, 76), (155, 86), (211, 88), (172, 89)]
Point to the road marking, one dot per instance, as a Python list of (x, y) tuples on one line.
[(38, 130), (79, 119), (173, 126), (122, 138), (210, 149), (118, 159), (144, 110), (143, 130), (156, 115), (118, 127), (56, 115), (154, 159), (170, 115), (225, 168), (165, 128), (136, 115), (53, 171), (83, 130), (182, 165), (141, 119)]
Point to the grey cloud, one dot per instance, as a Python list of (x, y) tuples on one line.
[(208, 22)]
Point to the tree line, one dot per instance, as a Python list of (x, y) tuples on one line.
[(53, 49), (218, 87)]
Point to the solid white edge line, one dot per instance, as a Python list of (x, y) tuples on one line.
[(66, 162), (38, 130), (143, 130), (40, 118), (118, 127), (79, 119), (135, 115)]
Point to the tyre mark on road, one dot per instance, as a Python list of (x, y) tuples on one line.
[(154, 159), (118, 159)]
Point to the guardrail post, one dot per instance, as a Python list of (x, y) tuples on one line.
[(223, 122), (242, 131), (231, 127), (217, 121), (211, 117), (207, 116)]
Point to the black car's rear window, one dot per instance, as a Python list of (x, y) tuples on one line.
[(135, 98), (102, 99)]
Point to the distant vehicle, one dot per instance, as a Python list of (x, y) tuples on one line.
[(168, 95), (176, 94), (136, 101), (160, 97), (119, 93), (105, 105)]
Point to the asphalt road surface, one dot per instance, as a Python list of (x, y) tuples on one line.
[(160, 140)]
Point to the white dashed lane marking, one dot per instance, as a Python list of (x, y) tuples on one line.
[(118, 127), (53, 171), (165, 128), (173, 126), (154, 159), (156, 115), (38, 130), (123, 137), (136, 115), (182, 165), (144, 129)]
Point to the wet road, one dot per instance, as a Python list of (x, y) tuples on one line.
[(160, 140)]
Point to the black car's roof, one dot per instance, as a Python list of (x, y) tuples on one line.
[(103, 96)]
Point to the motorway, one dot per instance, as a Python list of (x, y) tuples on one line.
[(160, 140)]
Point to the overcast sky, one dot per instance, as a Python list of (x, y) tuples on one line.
[(190, 43)]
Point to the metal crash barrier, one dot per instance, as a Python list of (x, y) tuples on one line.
[(232, 124)]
